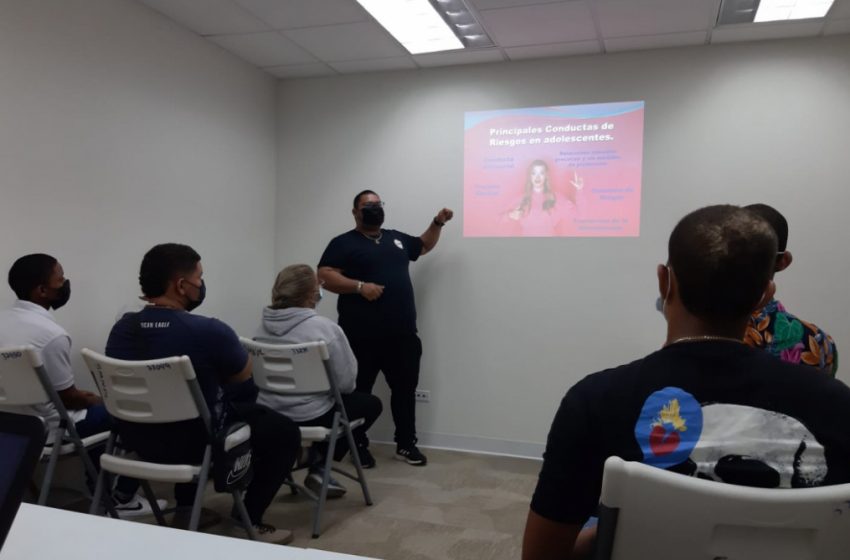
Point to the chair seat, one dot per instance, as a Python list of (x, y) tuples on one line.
[(68, 448), (312, 434), (159, 472)]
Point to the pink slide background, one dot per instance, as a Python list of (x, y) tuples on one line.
[(605, 160)]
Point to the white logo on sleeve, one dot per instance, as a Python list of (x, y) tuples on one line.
[(398, 243)]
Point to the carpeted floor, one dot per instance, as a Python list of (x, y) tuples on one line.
[(461, 506)]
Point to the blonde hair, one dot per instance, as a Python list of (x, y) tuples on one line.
[(293, 286)]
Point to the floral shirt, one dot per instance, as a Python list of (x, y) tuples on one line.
[(791, 339)]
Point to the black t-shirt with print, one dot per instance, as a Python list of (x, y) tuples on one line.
[(713, 409), (386, 263)]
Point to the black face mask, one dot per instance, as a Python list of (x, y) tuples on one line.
[(63, 294), (202, 293), (372, 215)]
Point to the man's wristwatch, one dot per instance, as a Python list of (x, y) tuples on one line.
[(438, 223), (359, 285)]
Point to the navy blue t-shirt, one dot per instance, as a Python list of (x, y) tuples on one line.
[(387, 263), (158, 332)]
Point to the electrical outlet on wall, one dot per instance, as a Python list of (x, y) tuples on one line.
[(423, 396)]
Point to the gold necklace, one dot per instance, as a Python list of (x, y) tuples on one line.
[(704, 338)]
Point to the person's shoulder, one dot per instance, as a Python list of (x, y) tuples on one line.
[(344, 237), (602, 381), (396, 232)]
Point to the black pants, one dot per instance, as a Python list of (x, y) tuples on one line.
[(275, 442), (357, 405), (398, 357)]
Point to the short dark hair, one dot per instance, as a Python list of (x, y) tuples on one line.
[(776, 220), (362, 193), (164, 262), (723, 259), (30, 272)]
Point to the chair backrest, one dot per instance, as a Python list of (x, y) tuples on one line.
[(148, 391), (647, 512), (290, 369), (21, 372)]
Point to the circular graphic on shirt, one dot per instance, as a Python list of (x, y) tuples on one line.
[(669, 427), (398, 243)]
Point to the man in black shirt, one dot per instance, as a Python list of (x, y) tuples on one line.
[(368, 268), (706, 404)]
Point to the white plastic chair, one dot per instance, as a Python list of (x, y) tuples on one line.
[(303, 369), (24, 383), (157, 392), (647, 512)]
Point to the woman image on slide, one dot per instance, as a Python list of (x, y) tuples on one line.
[(542, 211)]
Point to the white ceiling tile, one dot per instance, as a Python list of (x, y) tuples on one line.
[(761, 31), (208, 17), (556, 49), (629, 18), (289, 14), (351, 41), (263, 49), (490, 4), (374, 65), (615, 44), (539, 24), (301, 70), (451, 58), (837, 27), (840, 10)]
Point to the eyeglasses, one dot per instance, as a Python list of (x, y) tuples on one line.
[(379, 204)]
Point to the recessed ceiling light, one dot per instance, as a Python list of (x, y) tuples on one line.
[(414, 23), (781, 10), (421, 26), (759, 11)]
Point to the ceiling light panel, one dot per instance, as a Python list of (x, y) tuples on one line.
[(783, 10), (415, 24)]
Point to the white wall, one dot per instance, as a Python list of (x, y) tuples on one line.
[(509, 324), (120, 130)]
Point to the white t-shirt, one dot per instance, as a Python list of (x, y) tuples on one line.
[(27, 323)]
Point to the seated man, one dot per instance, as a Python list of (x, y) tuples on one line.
[(39, 282), (292, 319), (773, 329), (706, 404), (172, 283)]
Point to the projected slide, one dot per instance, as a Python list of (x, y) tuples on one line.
[(571, 171)]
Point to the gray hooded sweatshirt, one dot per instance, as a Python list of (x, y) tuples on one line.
[(294, 325)]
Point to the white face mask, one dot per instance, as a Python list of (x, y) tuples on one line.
[(321, 294)]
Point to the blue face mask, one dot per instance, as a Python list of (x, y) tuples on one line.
[(321, 295), (659, 305)]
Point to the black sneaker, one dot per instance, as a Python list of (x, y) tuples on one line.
[(411, 454), (367, 461)]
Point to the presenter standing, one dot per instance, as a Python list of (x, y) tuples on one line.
[(369, 268)]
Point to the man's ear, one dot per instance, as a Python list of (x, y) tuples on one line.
[(768, 294), (663, 274), (784, 261)]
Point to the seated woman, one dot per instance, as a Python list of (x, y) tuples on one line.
[(292, 319)]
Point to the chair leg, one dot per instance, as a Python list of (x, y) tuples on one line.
[(88, 465), (199, 493), (239, 502), (326, 476), (51, 468), (355, 457), (104, 481), (151, 497)]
